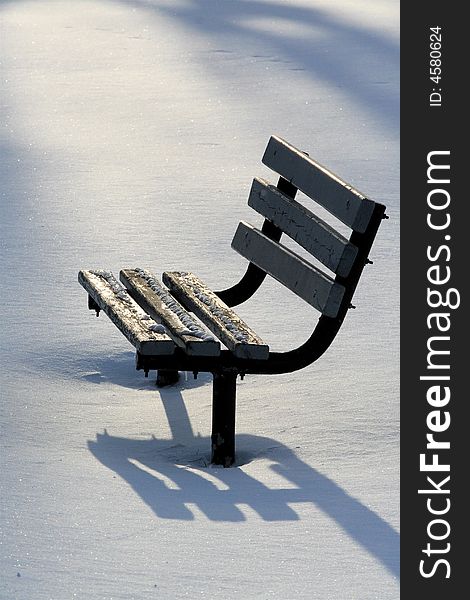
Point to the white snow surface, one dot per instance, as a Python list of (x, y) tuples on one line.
[(131, 131)]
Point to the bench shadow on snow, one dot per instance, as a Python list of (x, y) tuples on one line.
[(170, 476), (119, 369)]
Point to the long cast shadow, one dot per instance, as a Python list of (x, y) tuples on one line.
[(339, 52), (346, 60), (170, 475)]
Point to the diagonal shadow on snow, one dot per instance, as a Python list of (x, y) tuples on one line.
[(171, 476), (337, 51)]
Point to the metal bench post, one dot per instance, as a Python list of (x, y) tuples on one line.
[(167, 377), (223, 417)]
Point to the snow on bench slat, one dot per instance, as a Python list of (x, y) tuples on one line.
[(323, 186), (303, 226), (157, 301), (216, 315), (111, 296)]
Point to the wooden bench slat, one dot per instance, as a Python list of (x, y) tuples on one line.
[(323, 186), (303, 226), (157, 301), (305, 280), (216, 315), (113, 299)]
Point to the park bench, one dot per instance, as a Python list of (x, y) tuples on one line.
[(165, 321)]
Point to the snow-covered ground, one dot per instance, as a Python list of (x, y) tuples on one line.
[(131, 130)]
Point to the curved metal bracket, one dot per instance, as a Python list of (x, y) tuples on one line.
[(254, 276), (326, 328)]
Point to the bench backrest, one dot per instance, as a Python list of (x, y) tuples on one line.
[(327, 293)]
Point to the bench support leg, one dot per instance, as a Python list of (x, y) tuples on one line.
[(223, 418), (166, 377)]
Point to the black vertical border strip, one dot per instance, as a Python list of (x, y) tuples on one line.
[(424, 129)]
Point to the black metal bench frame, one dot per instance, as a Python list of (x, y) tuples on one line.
[(297, 171)]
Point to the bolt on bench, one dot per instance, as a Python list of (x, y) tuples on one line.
[(164, 322)]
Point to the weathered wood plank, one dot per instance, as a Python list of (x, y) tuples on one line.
[(305, 280), (216, 315), (323, 186), (303, 226), (157, 301), (130, 319)]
